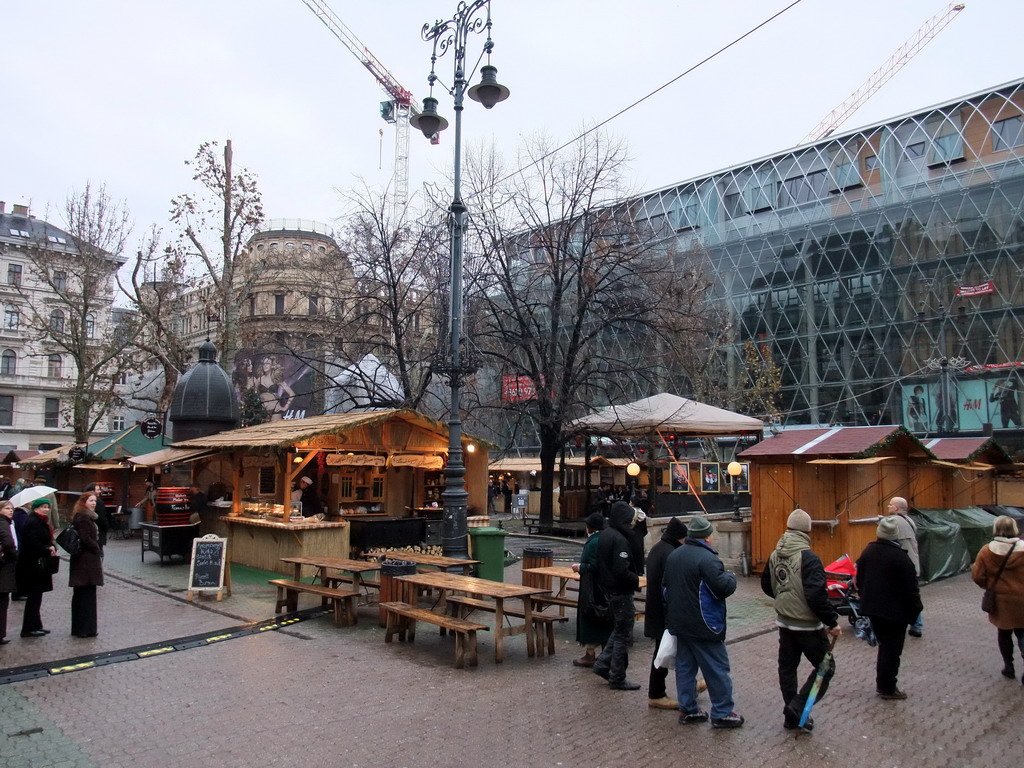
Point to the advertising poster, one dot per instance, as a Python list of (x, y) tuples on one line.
[(972, 403), (679, 479), (710, 477), (283, 383)]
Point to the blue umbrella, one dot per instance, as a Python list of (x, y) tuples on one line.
[(819, 678)]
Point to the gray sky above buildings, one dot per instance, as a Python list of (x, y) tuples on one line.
[(121, 92)]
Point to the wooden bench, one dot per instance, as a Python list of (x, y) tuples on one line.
[(402, 619), (543, 624), (343, 601)]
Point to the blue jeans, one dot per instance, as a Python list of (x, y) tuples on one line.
[(712, 659), (918, 625)]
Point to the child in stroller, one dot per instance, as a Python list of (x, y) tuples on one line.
[(842, 593)]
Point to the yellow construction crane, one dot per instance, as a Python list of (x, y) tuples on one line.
[(883, 74)]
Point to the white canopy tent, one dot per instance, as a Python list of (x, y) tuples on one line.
[(667, 413)]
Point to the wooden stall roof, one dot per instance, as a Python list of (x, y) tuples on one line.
[(121, 445), (52, 456), (984, 449), (16, 456), (281, 434), (526, 464), (837, 442), (169, 456)]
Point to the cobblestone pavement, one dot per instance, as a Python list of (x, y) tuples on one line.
[(317, 695)]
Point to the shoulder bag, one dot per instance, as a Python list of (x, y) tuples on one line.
[(988, 600), (69, 540)]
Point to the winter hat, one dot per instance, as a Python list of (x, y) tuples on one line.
[(595, 521), (675, 529), (620, 514), (887, 529), (799, 521), (40, 502), (306, 480), (699, 528)]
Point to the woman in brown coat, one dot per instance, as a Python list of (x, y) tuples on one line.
[(1008, 616), (86, 567)]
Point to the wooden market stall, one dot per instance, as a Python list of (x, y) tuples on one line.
[(844, 476), (373, 472)]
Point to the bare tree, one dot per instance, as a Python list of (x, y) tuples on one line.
[(216, 223), (155, 287), (573, 295), (69, 301)]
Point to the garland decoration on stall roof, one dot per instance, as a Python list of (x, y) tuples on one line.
[(888, 440)]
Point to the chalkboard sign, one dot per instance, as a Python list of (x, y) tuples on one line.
[(207, 570)]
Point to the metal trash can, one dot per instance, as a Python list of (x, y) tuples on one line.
[(135, 518), (537, 557), (390, 589), (489, 549)]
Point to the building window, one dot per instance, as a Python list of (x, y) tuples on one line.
[(274, 246), (947, 144), (90, 326), (7, 410), (8, 363), (51, 413), (12, 318), (871, 163), (252, 305), (268, 481), (915, 150), (278, 303), (760, 192), (14, 274), (60, 280), (314, 305), (54, 366), (803, 189), (120, 379), (1007, 133), (733, 203), (57, 321), (117, 424)]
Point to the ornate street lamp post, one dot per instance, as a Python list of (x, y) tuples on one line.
[(735, 469), (451, 35)]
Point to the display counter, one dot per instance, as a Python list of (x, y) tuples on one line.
[(262, 543), (168, 540)]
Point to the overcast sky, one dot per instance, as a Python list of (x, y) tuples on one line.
[(122, 92)]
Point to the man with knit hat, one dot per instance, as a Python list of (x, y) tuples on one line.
[(887, 583), (795, 578), (696, 585)]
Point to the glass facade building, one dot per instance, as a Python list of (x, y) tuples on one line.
[(883, 268)]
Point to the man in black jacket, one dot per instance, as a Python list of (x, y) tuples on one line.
[(887, 583), (795, 577), (618, 574), (654, 619)]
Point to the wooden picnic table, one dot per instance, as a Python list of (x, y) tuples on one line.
[(435, 561), (356, 567), (498, 591), (564, 574)]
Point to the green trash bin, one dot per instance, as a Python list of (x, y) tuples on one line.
[(489, 549)]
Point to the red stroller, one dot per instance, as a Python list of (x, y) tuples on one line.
[(842, 593)]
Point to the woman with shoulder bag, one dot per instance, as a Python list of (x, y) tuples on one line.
[(34, 570), (1000, 568), (86, 567)]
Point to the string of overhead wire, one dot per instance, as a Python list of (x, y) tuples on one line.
[(642, 99)]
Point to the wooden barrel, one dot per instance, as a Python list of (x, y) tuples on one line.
[(172, 506), (537, 557)]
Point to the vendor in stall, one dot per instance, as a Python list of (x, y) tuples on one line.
[(310, 500), (197, 503)]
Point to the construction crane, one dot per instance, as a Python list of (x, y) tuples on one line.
[(883, 74), (396, 111)]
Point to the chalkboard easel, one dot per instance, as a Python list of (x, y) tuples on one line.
[(208, 566)]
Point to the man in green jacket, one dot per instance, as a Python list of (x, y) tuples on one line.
[(795, 577)]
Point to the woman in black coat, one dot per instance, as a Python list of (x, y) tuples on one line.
[(35, 542), (887, 583), (86, 567), (8, 561)]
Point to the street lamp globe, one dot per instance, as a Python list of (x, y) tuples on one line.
[(633, 469), (735, 469)]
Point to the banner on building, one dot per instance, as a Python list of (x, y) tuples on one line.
[(976, 290), (971, 404), (517, 389), (283, 383)]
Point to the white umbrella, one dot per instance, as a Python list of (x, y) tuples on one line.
[(27, 496)]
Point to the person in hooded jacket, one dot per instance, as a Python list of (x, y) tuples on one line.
[(618, 574), (696, 585), (591, 631), (795, 578), (654, 618)]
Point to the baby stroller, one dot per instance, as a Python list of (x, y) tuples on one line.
[(842, 593)]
